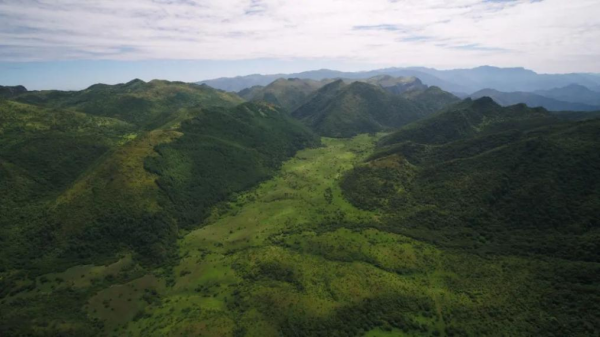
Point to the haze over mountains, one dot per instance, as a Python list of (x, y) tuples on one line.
[(581, 88), (535, 100)]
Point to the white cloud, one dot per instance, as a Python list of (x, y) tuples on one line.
[(549, 35)]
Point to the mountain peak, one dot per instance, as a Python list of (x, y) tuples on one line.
[(135, 81), (10, 91), (485, 102)]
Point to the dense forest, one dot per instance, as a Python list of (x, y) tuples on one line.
[(490, 180)]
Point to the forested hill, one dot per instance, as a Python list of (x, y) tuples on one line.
[(224, 151), (287, 93), (345, 110), (88, 174), (508, 180), (145, 104), (164, 208), (470, 118)]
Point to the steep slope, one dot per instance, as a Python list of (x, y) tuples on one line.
[(483, 168), (287, 93), (43, 150), (249, 93), (397, 85), (467, 119), (147, 105), (574, 93), (532, 100), (431, 98), (79, 188), (236, 148), (340, 110)]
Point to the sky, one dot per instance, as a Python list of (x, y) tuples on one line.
[(70, 44)]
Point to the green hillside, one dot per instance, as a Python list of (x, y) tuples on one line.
[(468, 119), (145, 104), (340, 110), (292, 257), (497, 181), (78, 187), (288, 93), (201, 217), (397, 85), (222, 152), (485, 168), (43, 150)]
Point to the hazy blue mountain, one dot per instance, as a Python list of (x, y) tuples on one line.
[(243, 82), (573, 93), (455, 81), (532, 100), (510, 79)]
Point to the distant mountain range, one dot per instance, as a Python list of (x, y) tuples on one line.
[(457, 81), (533, 100), (347, 107), (574, 93)]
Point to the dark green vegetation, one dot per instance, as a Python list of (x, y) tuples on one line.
[(222, 152), (287, 93), (79, 187), (502, 181), (8, 92), (168, 209), (345, 110), (146, 104)]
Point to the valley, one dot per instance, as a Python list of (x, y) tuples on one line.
[(257, 168), (293, 255), (171, 209)]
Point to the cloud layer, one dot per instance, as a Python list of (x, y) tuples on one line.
[(548, 35)]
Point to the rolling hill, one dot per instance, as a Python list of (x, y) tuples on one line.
[(344, 110), (190, 214), (574, 93), (489, 170), (288, 93), (396, 85), (145, 104), (80, 187), (467, 119)]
